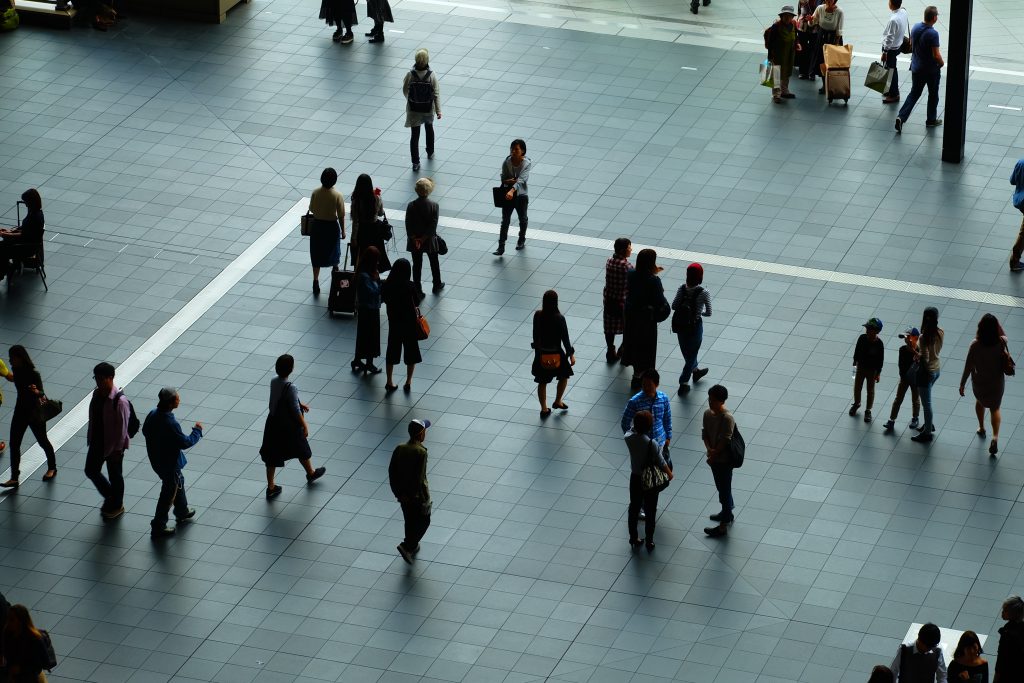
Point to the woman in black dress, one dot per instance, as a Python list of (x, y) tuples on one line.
[(379, 11), (551, 340), (967, 665), (646, 306), (368, 320), (286, 434), (26, 414), (399, 293), (366, 231), (340, 13)]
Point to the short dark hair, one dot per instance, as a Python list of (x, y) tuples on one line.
[(520, 142), (930, 12), (103, 370), (643, 421), (929, 635), (719, 393), (284, 365), (881, 673), (621, 245), (896, 3), (651, 374), (329, 177), (31, 197)]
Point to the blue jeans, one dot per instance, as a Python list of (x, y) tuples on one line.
[(918, 83), (723, 482), (925, 390), (689, 344)]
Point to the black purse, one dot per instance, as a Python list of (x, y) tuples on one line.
[(49, 408), (499, 196), (440, 246)]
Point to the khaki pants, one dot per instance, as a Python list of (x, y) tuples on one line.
[(1018, 246), (901, 391), (781, 79), (864, 375)]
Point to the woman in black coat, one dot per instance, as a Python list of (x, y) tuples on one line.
[(420, 229), (368, 318), (551, 339), (646, 306), (400, 296)]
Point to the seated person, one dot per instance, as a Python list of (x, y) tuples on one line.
[(30, 232)]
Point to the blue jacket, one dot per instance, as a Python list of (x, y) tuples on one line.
[(1017, 178), (165, 441)]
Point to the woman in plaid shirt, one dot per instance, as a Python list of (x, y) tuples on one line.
[(615, 270)]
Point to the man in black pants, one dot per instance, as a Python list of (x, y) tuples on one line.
[(408, 477), (897, 28), (108, 440)]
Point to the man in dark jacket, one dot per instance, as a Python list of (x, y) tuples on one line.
[(421, 217), (408, 477), (165, 442), (1010, 659)]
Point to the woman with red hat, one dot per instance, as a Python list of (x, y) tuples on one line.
[(691, 305)]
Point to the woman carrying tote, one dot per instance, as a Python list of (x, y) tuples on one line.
[(286, 434), (553, 354), (643, 452), (986, 366), (328, 229), (399, 294), (26, 414)]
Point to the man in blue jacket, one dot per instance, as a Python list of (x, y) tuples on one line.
[(165, 444), (1017, 178)]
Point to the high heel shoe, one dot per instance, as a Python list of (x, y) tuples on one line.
[(371, 369), (316, 287), (388, 388), (357, 366)]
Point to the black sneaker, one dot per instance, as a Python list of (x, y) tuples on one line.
[(438, 287), (274, 492), (922, 437), (406, 555), (684, 389), (348, 38), (867, 416), (722, 517), (889, 426), (933, 124), (853, 409), (699, 374), (715, 531), (520, 245), (416, 166), (899, 125), (337, 36), (317, 473), (187, 516), (499, 251)]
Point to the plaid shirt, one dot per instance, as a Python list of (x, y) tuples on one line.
[(659, 406), (615, 270)]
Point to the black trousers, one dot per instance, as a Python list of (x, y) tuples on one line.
[(640, 499), (519, 203), (112, 490), (19, 425), (417, 268), (172, 492), (890, 63), (417, 521), (722, 475), (414, 141)]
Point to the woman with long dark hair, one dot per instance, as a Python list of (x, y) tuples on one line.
[(967, 664), (23, 647), (368, 320), (553, 354), (366, 232), (399, 294), (328, 229), (985, 366), (646, 306), (929, 347), (26, 414)]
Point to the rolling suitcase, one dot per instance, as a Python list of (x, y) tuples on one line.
[(837, 85), (342, 299)]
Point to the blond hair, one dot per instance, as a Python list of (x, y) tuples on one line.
[(424, 186), (422, 58)]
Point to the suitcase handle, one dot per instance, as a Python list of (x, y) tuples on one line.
[(348, 246)]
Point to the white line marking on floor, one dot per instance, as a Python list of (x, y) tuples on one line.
[(458, 4), (76, 417), (999, 106), (688, 68)]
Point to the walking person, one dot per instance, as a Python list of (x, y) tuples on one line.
[(8, 375), (367, 230), (341, 14), (1010, 655), (967, 664), (897, 29), (908, 354), (656, 402), (553, 354), (29, 385), (24, 649), (421, 216), (407, 474), (379, 11), (929, 345), (985, 365), (616, 270), (868, 358), (399, 295), (782, 45), (515, 172), (368, 319), (108, 439), (691, 305), (828, 18), (643, 452), (286, 433), (717, 433), (925, 69), (328, 226), (165, 445), (646, 306), (1016, 178), (422, 95)]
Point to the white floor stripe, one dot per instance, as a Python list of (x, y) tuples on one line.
[(76, 418)]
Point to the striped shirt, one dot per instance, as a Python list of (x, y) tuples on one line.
[(703, 300)]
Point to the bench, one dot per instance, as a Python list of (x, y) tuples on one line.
[(43, 12)]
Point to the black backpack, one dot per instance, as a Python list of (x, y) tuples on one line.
[(737, 448), (133, 419), (687, 316), (421, 93)]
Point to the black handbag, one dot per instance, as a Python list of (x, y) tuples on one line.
[(440, 246), (383, 228), (499, 196), (49, 408)]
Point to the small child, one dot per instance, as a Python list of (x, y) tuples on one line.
[(867, 357), (908, 352)]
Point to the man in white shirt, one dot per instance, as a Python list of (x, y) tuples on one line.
[(895, 31)]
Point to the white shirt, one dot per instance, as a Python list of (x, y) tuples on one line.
[(897, 27)]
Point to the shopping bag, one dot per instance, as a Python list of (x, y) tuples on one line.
[(766, 72), (878, 78)]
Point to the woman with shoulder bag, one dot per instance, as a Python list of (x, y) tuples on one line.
[(646, 306), (553, 354), (929, 347), (986, 365), (368, 319), (828, 19), (421, 216), (399, 294), (328, 226), (643, 453), (27, 415), (367, 227)]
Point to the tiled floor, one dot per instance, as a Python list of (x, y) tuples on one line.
[(163, 150)]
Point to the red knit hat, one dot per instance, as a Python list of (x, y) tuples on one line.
[(694, 274)]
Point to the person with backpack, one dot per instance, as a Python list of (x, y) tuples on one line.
[(165, 445), (922, 660), (26, 415), (691, 305), (718, 431), (422, 102), (112, 423)]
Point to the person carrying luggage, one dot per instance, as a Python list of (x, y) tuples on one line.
[(829, 20)]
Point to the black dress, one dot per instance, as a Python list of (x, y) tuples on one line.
[(368, 320), (551, 335), (282, 433), (975, 674), (645, 300), (402, 325), (339, 13)]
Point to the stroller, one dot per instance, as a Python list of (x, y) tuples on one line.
[(838, 59)]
